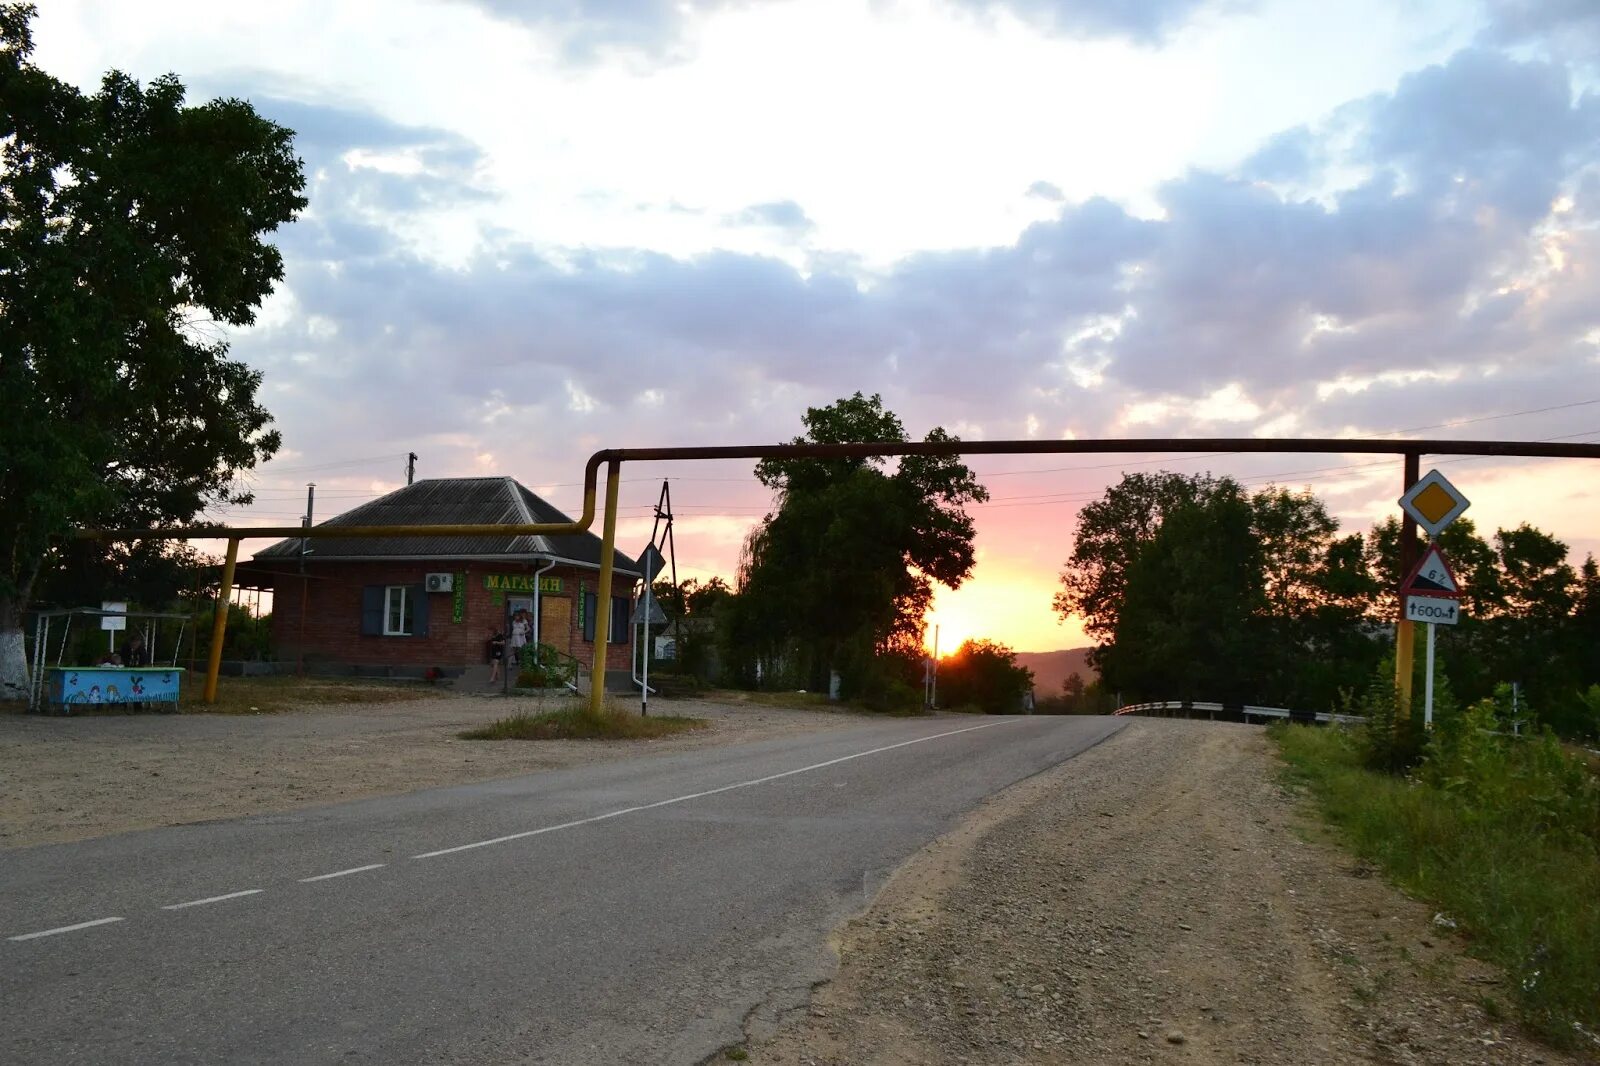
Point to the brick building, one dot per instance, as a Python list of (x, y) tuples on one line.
[(400, 605)]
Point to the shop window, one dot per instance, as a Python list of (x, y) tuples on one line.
[(397, 611), (394, 611)]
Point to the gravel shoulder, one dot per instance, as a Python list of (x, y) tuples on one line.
[(70, 778), (1158, 898)]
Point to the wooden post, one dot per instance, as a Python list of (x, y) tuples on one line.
[(219, 621), (602, 606)]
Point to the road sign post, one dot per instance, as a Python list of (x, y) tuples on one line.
[(1430, 593)]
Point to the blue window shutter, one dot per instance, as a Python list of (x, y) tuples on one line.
[(418, 595), (372, 611), (619, 619)]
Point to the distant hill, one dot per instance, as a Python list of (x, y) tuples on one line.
[(1051, 668)]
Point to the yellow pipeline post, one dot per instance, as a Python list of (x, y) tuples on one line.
[(602, 606), (1405, 631), (219, 623)]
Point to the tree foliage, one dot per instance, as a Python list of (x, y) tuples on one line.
[(1191, 620), (132, 227), (1200, 591), (842, 570), (984, 674)]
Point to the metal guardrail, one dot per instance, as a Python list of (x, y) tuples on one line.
[(1239, 712)]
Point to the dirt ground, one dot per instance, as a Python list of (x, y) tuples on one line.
[(67, 778), (1158, 899)]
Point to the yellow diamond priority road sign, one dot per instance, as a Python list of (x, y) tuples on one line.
[(1434, 503)]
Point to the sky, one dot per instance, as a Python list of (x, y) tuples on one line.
[(540, 229)]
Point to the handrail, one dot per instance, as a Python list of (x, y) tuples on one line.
[(552, 660)]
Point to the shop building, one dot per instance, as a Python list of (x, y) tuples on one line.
[(398, 606)]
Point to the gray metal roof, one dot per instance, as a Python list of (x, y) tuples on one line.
[(457, 500)]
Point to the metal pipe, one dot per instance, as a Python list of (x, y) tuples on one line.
[(549, 565), (219, 622), (644, 643), (1220, 445), (516, 529), (602, 607)]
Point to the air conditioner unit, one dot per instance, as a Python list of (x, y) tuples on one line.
[(441, 583)]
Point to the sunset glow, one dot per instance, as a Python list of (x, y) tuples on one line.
[(533, 236)]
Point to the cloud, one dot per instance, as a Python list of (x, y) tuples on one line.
[(1570, 28), (355, 157), (587, 30), (1141, 21), (785, 215), (1437, 258), (1044, 190), (1417, 256)]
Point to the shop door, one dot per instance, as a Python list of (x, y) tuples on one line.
[(555, 623)]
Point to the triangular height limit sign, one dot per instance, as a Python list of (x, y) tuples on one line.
[(1432, 577)]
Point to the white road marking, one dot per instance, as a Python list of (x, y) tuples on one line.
[(708, 792), (342, 873), (211, 899), (65, 929)]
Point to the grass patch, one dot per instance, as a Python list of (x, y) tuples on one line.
[(804, 701), (574, 722), (1501, 835)]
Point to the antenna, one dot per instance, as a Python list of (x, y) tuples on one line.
[(307, 520)]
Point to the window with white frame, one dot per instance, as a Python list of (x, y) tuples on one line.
[(398, 611)]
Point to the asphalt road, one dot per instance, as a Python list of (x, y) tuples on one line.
[(631, 911)]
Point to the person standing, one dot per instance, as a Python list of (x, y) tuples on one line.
[(497, 654), (521, 623)]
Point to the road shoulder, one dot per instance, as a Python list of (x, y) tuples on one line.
[(74, 778), (1160, 897)]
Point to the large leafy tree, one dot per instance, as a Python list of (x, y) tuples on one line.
[(1111, 533), (1300, 601), (985, 674), (1191, 622), (132, 227), (843, 569)]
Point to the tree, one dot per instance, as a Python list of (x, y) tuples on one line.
[(1190, 623), (132, 226), (1537, 593), (1111, 533), (984, 674), (841, 572)]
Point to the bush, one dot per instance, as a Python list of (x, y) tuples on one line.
[(533, 677), (574, 722), (1502, 833), (1388, 742)]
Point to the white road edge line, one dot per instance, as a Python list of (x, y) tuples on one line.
[(211, 899), (64, 929), (708, 792), (342, 873)]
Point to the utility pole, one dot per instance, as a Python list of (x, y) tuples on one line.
[(411, 467), (1405, 633), (305, 582)]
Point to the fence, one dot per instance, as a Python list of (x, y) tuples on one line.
[(1233, 712)]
